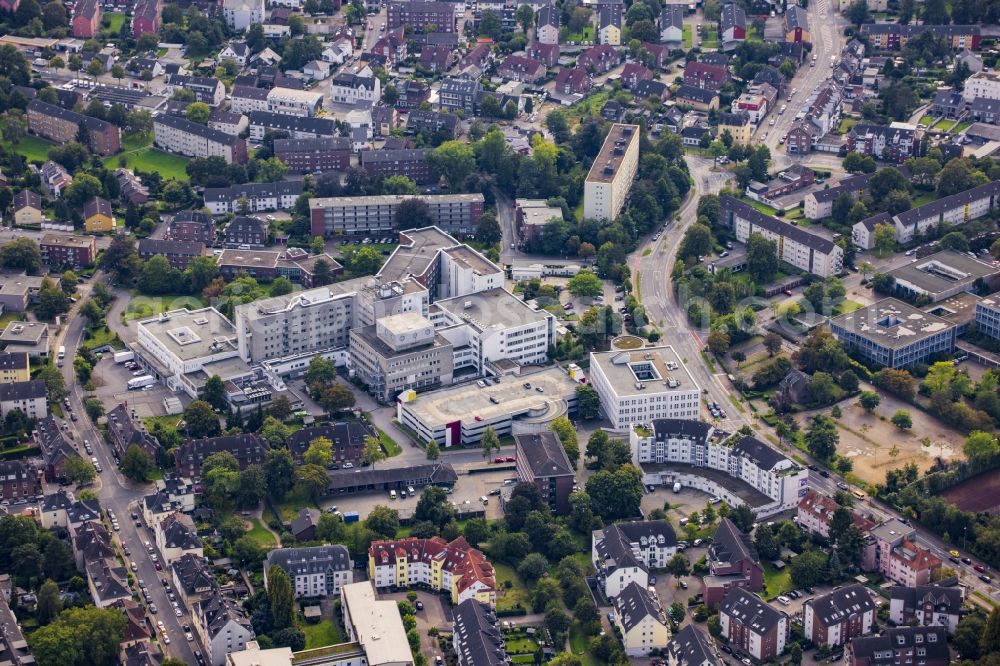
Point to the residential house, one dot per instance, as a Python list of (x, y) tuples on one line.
[(738, 125), (894, 554), (249, 449), (193, 579), (633, 73), (348, 88), (18, 479), (175, 537), (547, 54), (236, 51), (947, 103), (125, 431), (435, 58), (178, 253), (252, 197), (732, 26), (641, 620), (647, 88), (27, 207), (699, 99), (132, 189), (86, 19), (191, 226), (547, 24), (207, 89), (815, 511), (902, 646), (690, 647), (244, 232), (180, 135), (599, 59), (222, 628), (98, 216), (892, 143), (312, 155), (458, 94), (146, 18), (609, 23), (55, 179), (68, 250), (573, 81), (732, 563), (432, 122), (796, 25), (542, 461), (453, 567), (520, 68), (303, 528), (316, 571), (672, 25)]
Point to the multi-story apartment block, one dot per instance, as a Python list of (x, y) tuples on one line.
[(547, 24), (732, 26), (312, 155), (421, 16), (672, 26), (819, 204), (902, 646), (815, 511), (293, 102), (180, 135), (62, 126), (146, 18), (409, 162), (29, 397), (452, 567), (401, 352), (175, 537), (316, 571), (753, 626), (893, 553), (178, 253), (894, 143), (837, 617), (542, 461), (432, 122), (926, 606), (191, 226), (68, 250), (18, 479), (705, 75), (125, 430), (293, 263), (982, 85), (609, 23), (14, 367), (375, 625), (893, 333), (376, 215), (752, 104), (297, 127), (252, 197), (207, 89), (641, 620), (610, 178), (520, 68), (249, 449), (988, 316), (690, 647), (796, 25), (193, 579), (805, 251), (86, 19), (221, 626), (477, 637), (689, 454), (894, 36), (623, 553), (645, 385), (460, 94), (241, 14), (738, 125), (245, 99)]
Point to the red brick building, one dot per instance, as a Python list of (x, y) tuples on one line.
[(835, 618), (61, 126), (411, 163), (86, 19), (309, 155), (542, 461), (732, 562), (18, 480), (751, 625), (192, 226), (146, 18), (68, 250), (705, 76)]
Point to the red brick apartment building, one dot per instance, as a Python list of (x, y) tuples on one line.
[(68, 250), (61, 126)]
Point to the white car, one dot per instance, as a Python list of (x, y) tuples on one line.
[(177, 612), (166, 639), (159, 625), (188, 636)]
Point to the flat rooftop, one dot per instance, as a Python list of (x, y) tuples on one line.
[(647, 366), (942, 271), (958, 309), (24, 332), (249, 258), (405, 322), (192, 334), (493, 308), (377, 625), (466, 402), (288, 302), (416, 251), (19, 284), (540, 215), (466, 256), (609, 160), (892, 323)]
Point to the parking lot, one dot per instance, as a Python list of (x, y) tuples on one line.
[(435, 613), (111, 380), (467, 493)]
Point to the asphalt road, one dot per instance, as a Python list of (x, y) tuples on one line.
[(122, 496)]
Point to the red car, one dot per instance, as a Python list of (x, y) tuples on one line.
[(511, 459), (980, 568), (498, 460), (157, 565)]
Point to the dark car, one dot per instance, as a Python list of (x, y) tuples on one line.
[(955, 559), (986, 579), (814, 468), (419, 605), (727, 649), (966, 560), (825, 474)]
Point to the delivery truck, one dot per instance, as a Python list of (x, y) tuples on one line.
[(141, 382), (124, 356)]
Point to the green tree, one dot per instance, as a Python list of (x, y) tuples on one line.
[(201, 420), (869, 400), (588, 402), (533, 567), (279, 471), (281, 598), (762, 257), (991, 633), (902, 419), (616, 494), (809, 568), (679, 565), (136, 464), (214, 392), (319, 452), (980, 444), (79, 471), (454, 160), (432, 450), (251, 487), (312, 480), (822, 437), (49, 602), (23, 254), (585, 283), (525, 16), (198, 112), (697, 242), (885, 238), (490, 442), (86, 636), (567, 435), (383, 522), (372, 452)]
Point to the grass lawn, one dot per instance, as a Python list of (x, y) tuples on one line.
[(33, 149), (846, 124), (591, 105), (102, 336), (848, 306), (579, 643), (585, 35), (389, 444), (945, 125), (923, 199), (146, 306), (116, 21), (710, 36), (688, 36), (150, 159), (767, 210), (961, 127), (321, 634), (777, 582), (927, 120), (521, 645), (578, 211), (517, 595), (290, 505), (260, 534)]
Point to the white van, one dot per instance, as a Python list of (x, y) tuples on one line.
[(392, 494), (485, 500)]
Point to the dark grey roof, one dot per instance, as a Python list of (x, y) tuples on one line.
[(672, 16), (544, 454), (750, 610), (759, 219), (177, 247), (56, 501), (309, 560), (665, 428), (615, 550), (205, 83), (731, 545), (253, 191), (644, 532), (93, 124), (460, 86), (434, 473), (944, 599), (902, 639), (245, 225), (478, 640), (948, 97), (796, 17), (22, 390), (548, 15), (840, 605), (178, 535), (647, 87), (733, 119), (733, 16), (419, 117), (763, 455), (194, 217), (197, 129), (916, 30), (983, 105), (282, 121), (401, 155), (193, 574), (910, 217), (218, 611), (250, 92), (312, 145), (343, 435), (695, 93), (83, 510), (850, 185), (349, 80), (634, 604), (690, 648)]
